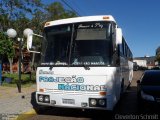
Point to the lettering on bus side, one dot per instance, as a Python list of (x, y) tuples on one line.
[(64, 83), (72, 79), (77, 87)]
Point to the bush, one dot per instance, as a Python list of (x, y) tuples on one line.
[(25, 78)]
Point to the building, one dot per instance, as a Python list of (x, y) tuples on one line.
[(140, 62), (148, 62)]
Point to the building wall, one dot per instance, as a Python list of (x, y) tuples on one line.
[(142, 63), (150, 62)]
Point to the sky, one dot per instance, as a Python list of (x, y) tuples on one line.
[(139, 20)]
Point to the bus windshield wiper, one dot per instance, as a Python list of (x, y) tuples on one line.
[(57, 64), (86, 67), (50, 68)]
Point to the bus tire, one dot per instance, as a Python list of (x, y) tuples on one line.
[(122, 87)]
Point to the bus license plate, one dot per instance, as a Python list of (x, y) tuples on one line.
[(68, 101)]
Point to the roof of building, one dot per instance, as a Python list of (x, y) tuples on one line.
[(144, 58)]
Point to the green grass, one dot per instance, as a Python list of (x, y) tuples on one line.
[(26, 81), (15, 85)]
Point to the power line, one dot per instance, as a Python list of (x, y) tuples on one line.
[(70, 7), (73, 3)]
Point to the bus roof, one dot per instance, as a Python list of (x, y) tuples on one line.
[(81, 19)]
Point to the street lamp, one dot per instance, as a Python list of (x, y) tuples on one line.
[(12, 34)]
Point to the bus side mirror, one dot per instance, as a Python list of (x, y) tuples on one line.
[(34, 42), (118, 36)]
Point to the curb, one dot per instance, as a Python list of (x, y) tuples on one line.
[(26, 115)]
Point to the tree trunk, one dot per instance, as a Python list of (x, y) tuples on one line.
[(32, 64), (10, 64)]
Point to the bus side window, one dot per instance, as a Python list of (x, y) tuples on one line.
[(120, 50)]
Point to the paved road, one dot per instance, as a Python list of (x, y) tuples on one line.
[(127, 108), (13, 103)]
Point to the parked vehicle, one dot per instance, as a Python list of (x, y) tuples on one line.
[(148, 87), (135, 66)]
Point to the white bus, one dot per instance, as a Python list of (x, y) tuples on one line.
[(85, 63)]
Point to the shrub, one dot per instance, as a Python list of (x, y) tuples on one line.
[(25, 78)]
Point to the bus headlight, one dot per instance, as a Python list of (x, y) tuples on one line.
[(46, 99), (40, 98), (43, 98), (97, 102), (102, 102), (93, 102)]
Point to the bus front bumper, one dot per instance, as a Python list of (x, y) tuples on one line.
[(72, 101)]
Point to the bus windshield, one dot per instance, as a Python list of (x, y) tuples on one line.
[(78, 44)]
